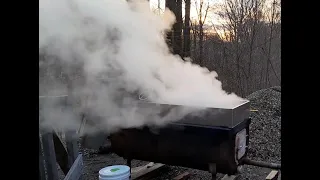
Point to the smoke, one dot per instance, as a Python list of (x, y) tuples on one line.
[(119, 51)]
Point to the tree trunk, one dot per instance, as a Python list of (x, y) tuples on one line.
[(186, 31), (200, 43), (170, 4), (195, 42), (177, 29)]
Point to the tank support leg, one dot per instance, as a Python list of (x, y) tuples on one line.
[(129, 164), (213, 171)]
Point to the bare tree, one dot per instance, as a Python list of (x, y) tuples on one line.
[(202, 12), (272, 18), (158, 10), (246, 51), (250, 48)]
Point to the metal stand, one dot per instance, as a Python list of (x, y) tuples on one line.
[(213, 171), (129, 164)]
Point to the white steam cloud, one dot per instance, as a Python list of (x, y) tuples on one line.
[(121, 50)]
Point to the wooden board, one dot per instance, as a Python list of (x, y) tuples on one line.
[(42, 174), (147, 170), (75, 172), (232, 177), (72, 147), (273, 175), (182, 176), (61, 153), (49, 156)]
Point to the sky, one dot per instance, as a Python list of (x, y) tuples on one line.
[(193, 11), (211, 19)]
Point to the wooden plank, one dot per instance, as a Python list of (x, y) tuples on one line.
[(232, 177), (182, 176), (72, 147), (49, 156), (42, 175), (147, 170), (75, 172), (140, 168), (61, 154), (273, 175)]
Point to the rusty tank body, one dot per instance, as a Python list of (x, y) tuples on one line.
[(215, 141)]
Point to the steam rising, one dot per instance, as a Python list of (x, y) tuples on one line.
[(121, 51)]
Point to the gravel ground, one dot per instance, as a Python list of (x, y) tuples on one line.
[(94, 162), (265, 132), (264, 143)]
